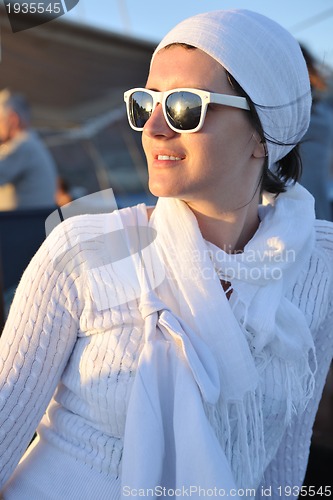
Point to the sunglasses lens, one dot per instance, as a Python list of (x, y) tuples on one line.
[(183, 110), (140, 108)]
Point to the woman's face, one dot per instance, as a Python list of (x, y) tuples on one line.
[(221, 163)]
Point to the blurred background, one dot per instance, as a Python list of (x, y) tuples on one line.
[(73, 71)]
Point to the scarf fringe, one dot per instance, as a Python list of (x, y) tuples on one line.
[(238, 426), (298, 375), (299, 385)]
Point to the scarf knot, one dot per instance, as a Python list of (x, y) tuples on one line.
[(160, 321)]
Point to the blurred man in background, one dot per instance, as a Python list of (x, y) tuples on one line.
[(27, 169), (316, 149)]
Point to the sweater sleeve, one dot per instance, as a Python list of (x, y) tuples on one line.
[(289, 465), (35, 345)]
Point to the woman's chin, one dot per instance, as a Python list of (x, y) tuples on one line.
[(163, 190)]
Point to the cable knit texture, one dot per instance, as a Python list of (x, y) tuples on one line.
[(59, 346)]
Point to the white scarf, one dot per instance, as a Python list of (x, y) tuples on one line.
[(242, 335)]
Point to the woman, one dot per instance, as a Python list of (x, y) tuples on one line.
[(200, 322)]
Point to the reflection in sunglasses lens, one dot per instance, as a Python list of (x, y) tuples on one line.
[(183, 110), (141, 106)]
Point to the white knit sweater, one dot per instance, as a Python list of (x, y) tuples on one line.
[(59, 346)]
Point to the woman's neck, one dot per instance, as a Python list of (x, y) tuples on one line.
[(229, 230)]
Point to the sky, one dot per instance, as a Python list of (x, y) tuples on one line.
[(311, 22)]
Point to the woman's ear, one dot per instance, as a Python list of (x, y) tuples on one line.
[(260, 149)]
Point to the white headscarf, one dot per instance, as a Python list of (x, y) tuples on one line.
[(267, 63)]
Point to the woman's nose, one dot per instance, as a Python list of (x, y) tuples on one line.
[(157, 125)]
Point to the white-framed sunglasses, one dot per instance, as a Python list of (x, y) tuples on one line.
[(184, 109)]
